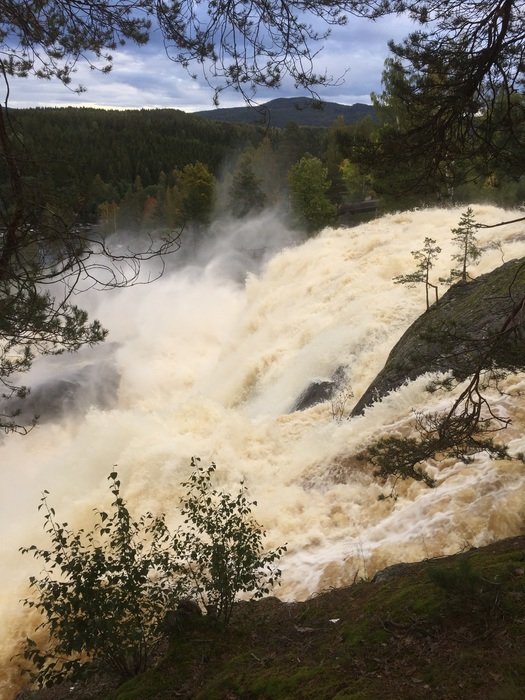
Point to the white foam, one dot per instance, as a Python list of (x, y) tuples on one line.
[(210, 368)]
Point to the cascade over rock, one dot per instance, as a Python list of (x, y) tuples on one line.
[(199, 364), (455, 332), (320, 390)]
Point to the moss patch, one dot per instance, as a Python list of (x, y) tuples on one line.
[(406, 636)]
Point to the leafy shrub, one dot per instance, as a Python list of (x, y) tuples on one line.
[(220, 545), (104, 593)]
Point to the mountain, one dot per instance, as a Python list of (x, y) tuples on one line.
[(304, 111)]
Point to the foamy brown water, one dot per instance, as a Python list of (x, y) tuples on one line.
[(210, 367)]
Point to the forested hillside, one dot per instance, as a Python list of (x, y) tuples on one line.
[(149, 170), (79, 143), (304, 111)]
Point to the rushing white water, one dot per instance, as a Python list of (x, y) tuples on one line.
[(211, 367)]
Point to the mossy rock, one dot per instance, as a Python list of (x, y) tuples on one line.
[(455, 333)]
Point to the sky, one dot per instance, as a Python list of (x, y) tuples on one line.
[(144, 77)]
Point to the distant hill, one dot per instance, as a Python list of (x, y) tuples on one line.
[(304, 111)]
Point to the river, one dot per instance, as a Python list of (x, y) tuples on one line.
[(206, 363)]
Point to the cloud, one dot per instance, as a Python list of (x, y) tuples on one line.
[(144, 77)]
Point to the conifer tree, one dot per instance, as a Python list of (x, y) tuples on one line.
[(464, 235), (245, 195), (424, 262), (195, 194), (309, 185)]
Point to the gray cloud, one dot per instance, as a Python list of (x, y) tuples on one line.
[(145, 77)]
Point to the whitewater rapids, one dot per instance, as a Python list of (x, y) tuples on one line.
[(211, 367)]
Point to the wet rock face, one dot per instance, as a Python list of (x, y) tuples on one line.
[(456, 332), (320, 390), (69, 390), (316, 392)]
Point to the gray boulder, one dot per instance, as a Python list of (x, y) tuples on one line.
[(320, 390), (480, 321)]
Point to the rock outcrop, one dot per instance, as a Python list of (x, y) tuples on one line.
[(320, 390), (457, 332)]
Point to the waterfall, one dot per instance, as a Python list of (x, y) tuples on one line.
[(206, 363)]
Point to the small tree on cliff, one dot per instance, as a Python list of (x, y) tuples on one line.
[(464, 235), (425, 260)]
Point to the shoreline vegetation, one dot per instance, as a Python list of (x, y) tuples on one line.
[(446, 628)]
